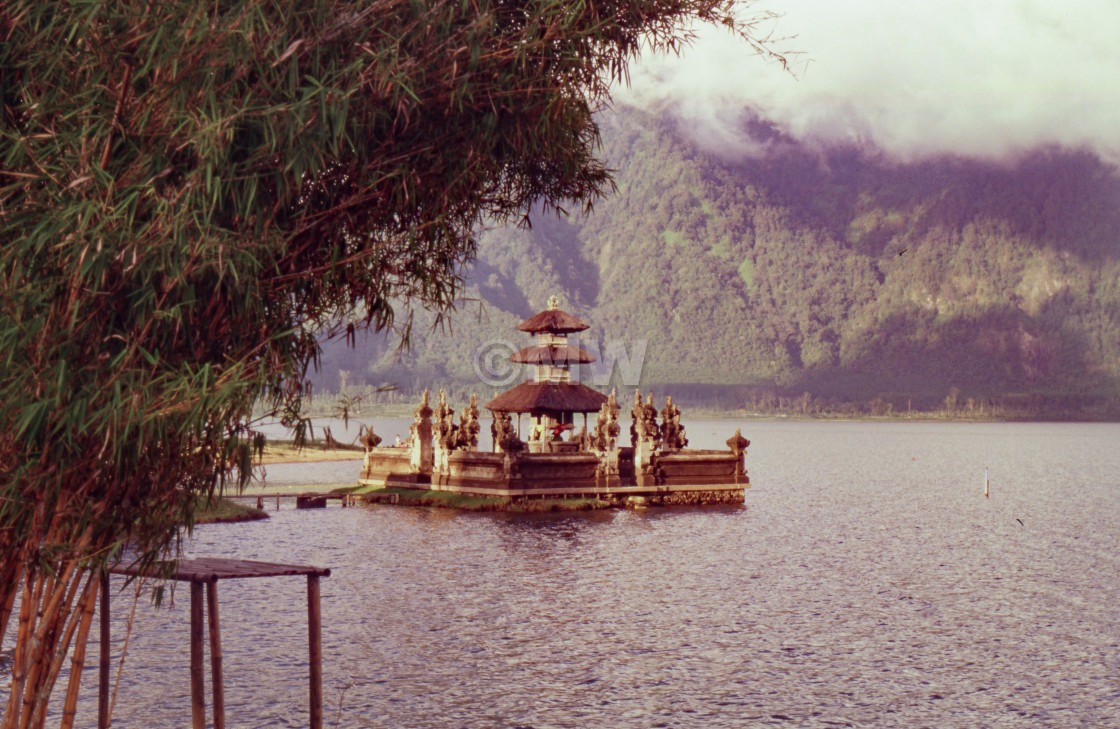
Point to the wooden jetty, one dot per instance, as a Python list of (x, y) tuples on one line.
[(207, 572), (304, 500)]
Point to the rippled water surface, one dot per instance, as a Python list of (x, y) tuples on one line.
[(866, 582)]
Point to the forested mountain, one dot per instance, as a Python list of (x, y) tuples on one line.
[(830, 276)]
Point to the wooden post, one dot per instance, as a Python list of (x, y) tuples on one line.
[(103, 668), (198, 680), (315, 650), (216, 678)]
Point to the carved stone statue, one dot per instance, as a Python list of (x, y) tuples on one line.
[(445, 423), (604, 440), (504, 435), (605, 436), (368, 438), (738, 445), (420, 438), (672, 432), (469, 426), (647, 437), (650, 421), (637, 415)]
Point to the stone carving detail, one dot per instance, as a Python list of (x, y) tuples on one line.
[(637, 415), (643, 421), (368, 438), (738, 445), (646, 437), (504, 435), (672, 432), (604, 440), (469, 426), (446, 434), (445, 423), (605, 436), (420, 438)]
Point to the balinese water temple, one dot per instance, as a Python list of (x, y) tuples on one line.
[(655, 468)]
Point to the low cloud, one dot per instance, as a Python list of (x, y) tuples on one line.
[(981, 79)]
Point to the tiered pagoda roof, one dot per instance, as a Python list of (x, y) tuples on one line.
[(552, 391), (553, 321), (548, 397), (562, 354)]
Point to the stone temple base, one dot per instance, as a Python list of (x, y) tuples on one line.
[(680, 478)]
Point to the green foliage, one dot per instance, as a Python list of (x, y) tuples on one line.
[(219, 511)]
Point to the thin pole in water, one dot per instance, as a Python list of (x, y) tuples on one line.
[(985, 482)]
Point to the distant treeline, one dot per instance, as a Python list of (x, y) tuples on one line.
[(698, 401), (870, 284)]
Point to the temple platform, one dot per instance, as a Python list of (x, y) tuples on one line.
[(682, 477)]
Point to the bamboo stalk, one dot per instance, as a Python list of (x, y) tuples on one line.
[(52, 620), (9, 586), (23, 648), (89, 601), (105, 657), (69, 621), (216, 678)]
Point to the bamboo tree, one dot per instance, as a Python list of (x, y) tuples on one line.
[(194, 194)]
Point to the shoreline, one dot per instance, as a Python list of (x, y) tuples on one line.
[(399, 411), (285, 451)]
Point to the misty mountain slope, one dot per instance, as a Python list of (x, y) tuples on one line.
[(841, 273)]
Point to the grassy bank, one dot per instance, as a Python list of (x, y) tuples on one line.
[(225, 510), (449, 500)]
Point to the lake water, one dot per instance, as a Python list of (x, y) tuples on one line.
[(866, 582)]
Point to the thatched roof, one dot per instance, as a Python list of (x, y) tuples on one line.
[(554, 321), (552, 355), (548, 397)]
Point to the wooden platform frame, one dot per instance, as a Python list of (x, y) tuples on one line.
[(206, 572)]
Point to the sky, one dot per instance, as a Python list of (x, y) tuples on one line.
[(977, 78)]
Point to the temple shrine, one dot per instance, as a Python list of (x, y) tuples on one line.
[(656, 468), (551, 398)]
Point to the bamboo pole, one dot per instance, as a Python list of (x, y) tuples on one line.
[(89, 602), (216, 678), (315, 651), (105, 659), (198, 681), (69, 623), (52, 616), (22, 649), (55, 594), (9, 586)]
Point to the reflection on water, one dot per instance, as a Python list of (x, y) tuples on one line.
[(866, 582)]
